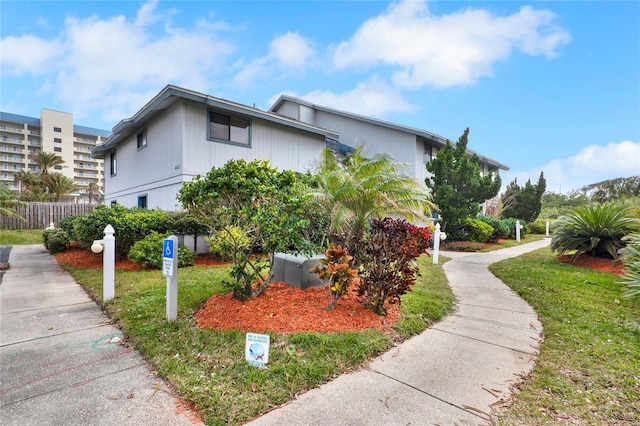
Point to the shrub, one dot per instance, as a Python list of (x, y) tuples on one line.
[(597, 230), (477, 231), (511, 225), (500, 228), (223, 243), (148, 252), (55, 240), (388, 268), (538, 226), (68, 225), (630, 255), (184, 223)]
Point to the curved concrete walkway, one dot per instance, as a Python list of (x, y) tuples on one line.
[(61, 360), (452, 374)]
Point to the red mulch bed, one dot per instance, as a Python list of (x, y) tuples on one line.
[(281, 308), (609, 266)]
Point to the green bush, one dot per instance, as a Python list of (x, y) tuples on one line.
[(68, 225), (148, 252), (225, 242), (630, 255), (500, 228), (597, 230), (130, 225), (55, 240), (477, 230), (538, 226)]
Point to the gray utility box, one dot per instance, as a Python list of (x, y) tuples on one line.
[(294, 270)]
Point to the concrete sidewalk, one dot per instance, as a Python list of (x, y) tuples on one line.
[(62, 362), (451, 374)]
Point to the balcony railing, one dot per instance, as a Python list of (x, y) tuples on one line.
[(10, 129)]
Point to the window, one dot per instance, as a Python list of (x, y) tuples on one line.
[(112, 163), (142, 201), (5, 157), (16, 167), (113, 203), (142, 139), (57, 149), (58, 167), (57, 140), (5, 166), (57, 129), (226, 128), (17, 158)]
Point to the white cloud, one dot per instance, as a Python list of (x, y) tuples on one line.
[(288, 53), (370, 98), (448, 50), (592, 164), (115, 65)]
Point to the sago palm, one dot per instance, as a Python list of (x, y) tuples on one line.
[(597, 230), (630, 256)]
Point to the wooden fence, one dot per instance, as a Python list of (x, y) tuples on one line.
[(40, 215)]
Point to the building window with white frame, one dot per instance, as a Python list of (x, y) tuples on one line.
[(229, 129)]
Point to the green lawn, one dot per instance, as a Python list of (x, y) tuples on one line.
[(529, 238), (207, 367), (588, 372), (11, 237)]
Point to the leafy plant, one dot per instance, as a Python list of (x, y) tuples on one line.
[(55, 240), (224, 242), (466, 246), (389, 267), (511, 225), (500, 228), (337, 269), (597, 230), (538, 226), (630, 255), (68, 224), (148, 252), (474, 230)]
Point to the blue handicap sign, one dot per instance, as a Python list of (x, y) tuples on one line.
[(167, 248)]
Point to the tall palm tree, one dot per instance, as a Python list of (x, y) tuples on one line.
[(93, 189), (46, 160), (59, 185), (359, 189)]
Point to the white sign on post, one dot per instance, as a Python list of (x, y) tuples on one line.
[(257, 349), (167, 258)]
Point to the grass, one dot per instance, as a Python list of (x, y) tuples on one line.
[(14, 237), (207, 367), (588, 371), (529, 238)]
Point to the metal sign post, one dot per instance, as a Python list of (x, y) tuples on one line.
[(170, 270)]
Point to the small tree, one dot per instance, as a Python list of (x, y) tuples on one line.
[(456, 184), (9, 203), (523, 203)]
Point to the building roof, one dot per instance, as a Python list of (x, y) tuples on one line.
[(33, 121), (171, 94), (437, 140)]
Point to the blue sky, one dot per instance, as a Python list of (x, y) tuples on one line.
[(549, 86)]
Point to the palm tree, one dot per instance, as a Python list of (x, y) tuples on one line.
[(59, 185), (46, 160), (93, 189), (359, 189), (9, 203)]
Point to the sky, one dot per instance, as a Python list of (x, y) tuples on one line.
[(543, 86)]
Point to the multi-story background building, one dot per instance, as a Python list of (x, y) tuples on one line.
[(53, 132)]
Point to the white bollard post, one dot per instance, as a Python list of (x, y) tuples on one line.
[(436, 244), (170, 270), (109, 264), (517, 230), (547, 233)]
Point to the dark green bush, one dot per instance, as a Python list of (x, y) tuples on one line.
[(148, 252), (500, 228), (597, 230), (68, 225), (55, 240), (477, 230)]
